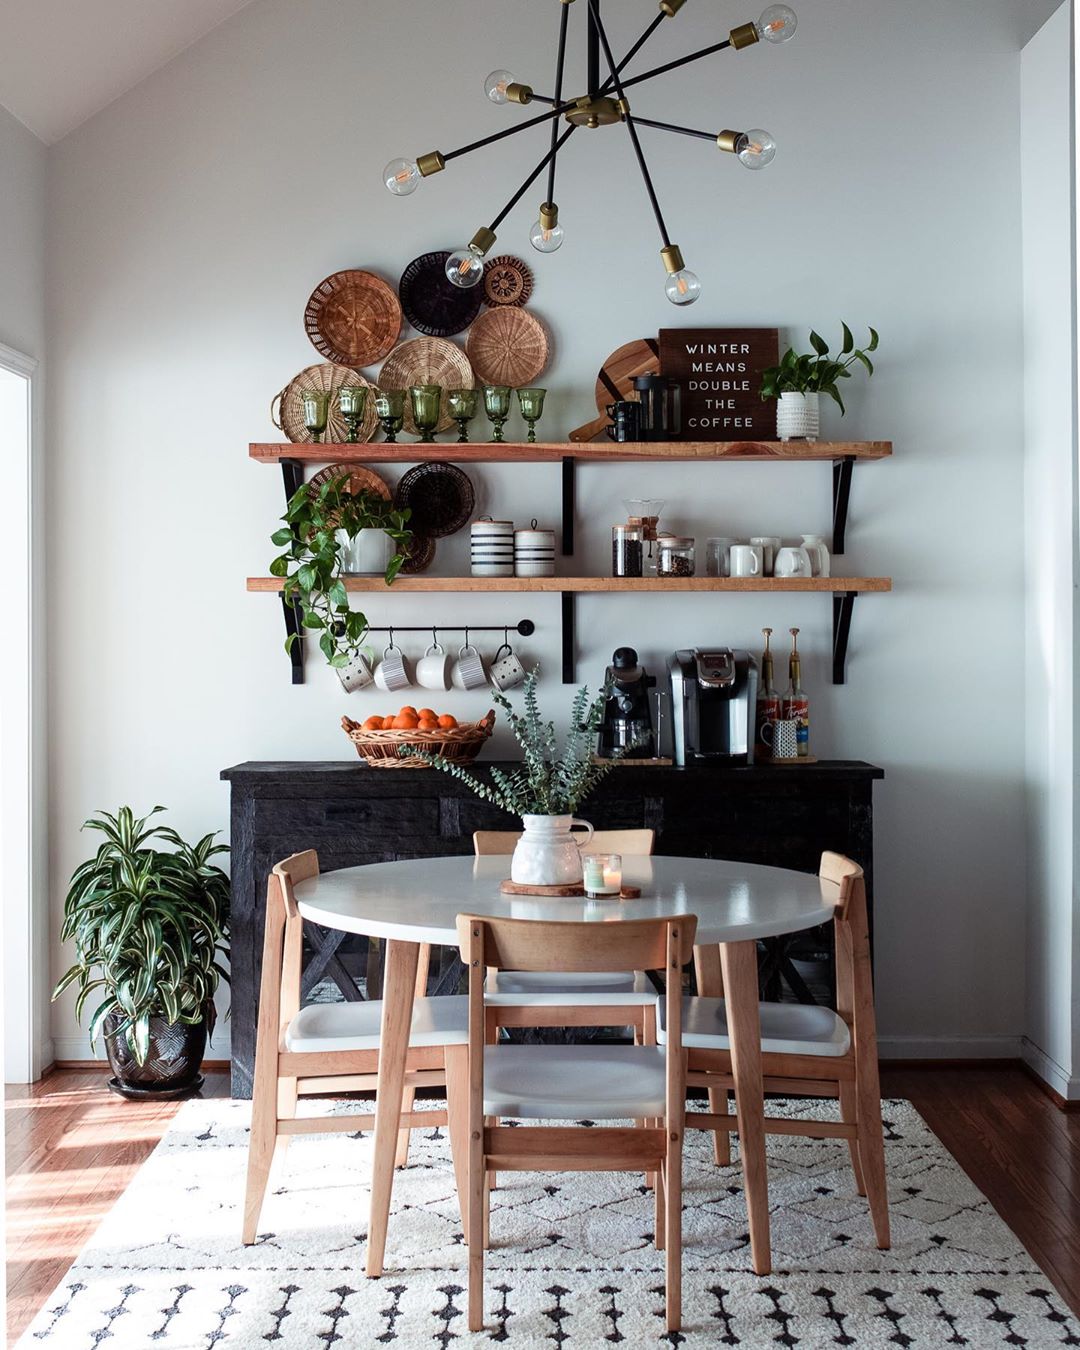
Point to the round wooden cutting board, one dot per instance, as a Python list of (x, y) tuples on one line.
[(623, 366)]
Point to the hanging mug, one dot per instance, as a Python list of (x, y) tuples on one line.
[(392, 674), (506, 672), (433, 669), (468, 670)]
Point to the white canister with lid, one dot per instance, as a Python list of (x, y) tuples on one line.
[(492, 547), (534, 552)]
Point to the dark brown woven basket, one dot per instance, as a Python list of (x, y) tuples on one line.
[(382, 749), (440, 497)]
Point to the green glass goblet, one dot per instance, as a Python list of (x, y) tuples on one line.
[(352, 400), (390, 410), (461, 404), (532, 408), (316, 411), (426, 402), (497, 407)]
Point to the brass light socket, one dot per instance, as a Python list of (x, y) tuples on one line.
[(729, 141), (623, 106), (744, 36), (483, 240), (430, 163), (672, 257), (519, 93), (670, 8), (549, 215)]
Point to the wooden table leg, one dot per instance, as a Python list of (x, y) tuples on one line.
[(738, 961), (399, 977), (710, 984)]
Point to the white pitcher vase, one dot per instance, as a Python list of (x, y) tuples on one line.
[(798, 417), (547, 854)]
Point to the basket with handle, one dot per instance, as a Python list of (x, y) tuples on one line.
[(382, 749)]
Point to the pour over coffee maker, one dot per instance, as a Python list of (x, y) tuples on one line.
[(627, 725)]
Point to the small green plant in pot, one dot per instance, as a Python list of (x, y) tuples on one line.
[(798, 382), (320, 524), (548, 787), (149, 925)]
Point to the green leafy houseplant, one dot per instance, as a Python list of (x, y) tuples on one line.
[(816, 372), (311, 565), (148, 925)]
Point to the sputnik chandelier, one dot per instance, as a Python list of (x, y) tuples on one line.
[(604, 104)]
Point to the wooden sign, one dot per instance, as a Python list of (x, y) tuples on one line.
[(720, 371)]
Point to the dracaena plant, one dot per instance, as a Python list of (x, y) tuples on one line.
[(148, 925), (311, 566), (818, 372), (552, 780)]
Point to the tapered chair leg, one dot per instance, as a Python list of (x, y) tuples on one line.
[(848, 1115), (659, 1208), (673, 1234), (457, 1123), (260, 1159), (287, 1097), (475, 1230)]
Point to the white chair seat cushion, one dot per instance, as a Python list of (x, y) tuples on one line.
[(357, 1026), (605, 988), (573, 1082), (786, 1028)]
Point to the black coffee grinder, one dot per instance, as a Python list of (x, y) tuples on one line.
[(627, 725)]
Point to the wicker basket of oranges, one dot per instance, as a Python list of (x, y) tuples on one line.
[(379, 740)]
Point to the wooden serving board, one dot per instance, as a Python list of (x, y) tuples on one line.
[(616, 380), (573, 889), (800, 759)]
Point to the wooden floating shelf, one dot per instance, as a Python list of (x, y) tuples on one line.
[(604, 585), (608, 452)]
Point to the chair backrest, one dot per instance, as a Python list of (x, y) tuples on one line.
[(283, 941), (848, 876), (632, 843), (537, 945)]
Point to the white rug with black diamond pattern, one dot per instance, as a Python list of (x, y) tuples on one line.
[(572, 1263)]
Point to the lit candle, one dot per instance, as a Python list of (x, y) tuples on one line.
[(602, 873), (613, 874)]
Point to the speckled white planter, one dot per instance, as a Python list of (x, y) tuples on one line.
[(798, 417), (547, 854)]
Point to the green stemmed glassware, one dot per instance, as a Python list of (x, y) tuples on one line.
[(316, 412), (461, 404), (497, 407), (352, 400), (426, 402), (532, 408), (390, 410)]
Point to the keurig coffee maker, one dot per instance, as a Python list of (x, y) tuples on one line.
[(713, 703), (627, 725)]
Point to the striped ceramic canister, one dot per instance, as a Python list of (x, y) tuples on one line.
[(534, 552), (492, 547)]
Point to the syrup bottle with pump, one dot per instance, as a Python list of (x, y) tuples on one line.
[(768, 701), (795, 706)]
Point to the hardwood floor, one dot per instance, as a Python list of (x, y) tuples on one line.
[(72, 1148)]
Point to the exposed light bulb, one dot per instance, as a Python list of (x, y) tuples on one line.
[(756, 148), (401, 176), (495, 86), (682, 287), (465, 267), (777, 24), (544, 238)]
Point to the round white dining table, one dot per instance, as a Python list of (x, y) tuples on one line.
[(414, 902)]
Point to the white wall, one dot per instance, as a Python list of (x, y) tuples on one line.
[(191, 219), (1050, 486), (22, 329)]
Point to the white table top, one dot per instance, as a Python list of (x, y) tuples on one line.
[(418, 900)]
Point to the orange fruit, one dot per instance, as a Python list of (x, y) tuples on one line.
[(387, 723), (427, 713), (428, 724), (447, 721), (408, 711), (373, 724), (402, 722)]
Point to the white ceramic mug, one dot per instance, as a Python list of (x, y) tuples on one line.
[(392, 672), (506, 671), (468, 670), (818, 552), (718, 556), (433, 668), (357, 674), (745, 560), (792, 562), (768, 543)]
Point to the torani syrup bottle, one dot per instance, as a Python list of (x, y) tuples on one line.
[(768, 700), (795, 705)]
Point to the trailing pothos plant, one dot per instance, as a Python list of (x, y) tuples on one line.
[(551, 781), (148, 926), (817, 372), (311, 566)]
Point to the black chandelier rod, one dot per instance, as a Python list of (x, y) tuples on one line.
[(544, 98), (670, 126), (560, 62), (674, 65), (532, 178), (556, 111), (594, 10)]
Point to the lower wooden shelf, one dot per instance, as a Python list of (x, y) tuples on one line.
[(602, 585)]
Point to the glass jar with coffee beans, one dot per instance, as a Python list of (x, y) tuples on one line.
[(626, 550), (675, 557)]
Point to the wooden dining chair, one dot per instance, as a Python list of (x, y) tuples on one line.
[(809, 1050), (334, 1047), (597, 1082)]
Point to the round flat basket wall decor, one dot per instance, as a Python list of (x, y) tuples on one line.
[(427, 361), (507, 345), (431, 303), (353, 318), (419, 555), (360, 480), (507, 281), (287, 408), (440, 497)]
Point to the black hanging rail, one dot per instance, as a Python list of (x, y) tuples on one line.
[(523, 627)]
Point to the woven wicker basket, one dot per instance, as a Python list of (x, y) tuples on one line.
[(381, 749)]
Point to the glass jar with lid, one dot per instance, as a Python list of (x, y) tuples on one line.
[(675, 557), (626, 550), (645, 512)]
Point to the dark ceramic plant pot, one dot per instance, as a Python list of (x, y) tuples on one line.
[(172, 1062)]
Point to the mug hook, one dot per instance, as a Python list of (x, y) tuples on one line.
[(506, 637), (434, 636), (466, 635), (391, 630)]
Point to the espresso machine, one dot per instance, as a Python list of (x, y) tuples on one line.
[(627, 725), (713, 705)]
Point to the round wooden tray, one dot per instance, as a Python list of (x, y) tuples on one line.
[(570, 890), (432, 304), (287, 408), (507, 281), (427, 361), (507, 345), (353, 318)]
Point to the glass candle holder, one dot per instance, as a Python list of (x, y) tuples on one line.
[(352, 400), (497, 407), (426, 402), (602, 874), (461, 405), (316, 403), (532, 408), (390, 410)]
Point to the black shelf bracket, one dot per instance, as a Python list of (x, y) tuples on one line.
[(569, 506), (569, 638), (292, 473), (841, 493), (293, 625), (842, 606)]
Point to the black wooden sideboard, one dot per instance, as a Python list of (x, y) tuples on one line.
[(350, 814)]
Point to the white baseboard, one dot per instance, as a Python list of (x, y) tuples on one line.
[(1050, 1071), (949, 1047), (76, 1049)]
